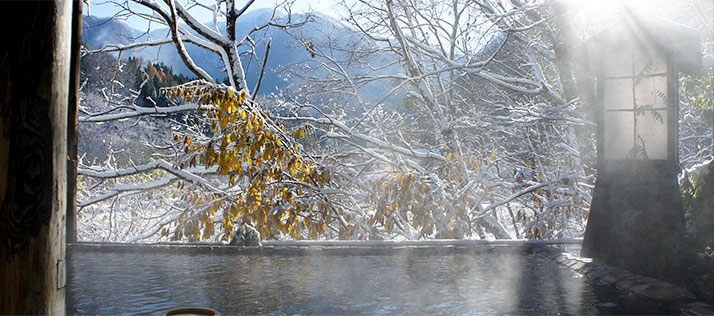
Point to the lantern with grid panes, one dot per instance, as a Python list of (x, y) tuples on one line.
[(636, 218), (638, 117)]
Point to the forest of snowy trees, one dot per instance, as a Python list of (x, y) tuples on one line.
[(405, 120)]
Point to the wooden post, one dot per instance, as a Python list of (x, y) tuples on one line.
[(34, 81), (72, 122)]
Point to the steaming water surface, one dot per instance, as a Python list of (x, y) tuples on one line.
[(489, 281)]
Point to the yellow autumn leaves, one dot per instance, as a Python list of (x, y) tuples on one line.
[(250, 151), (412, 197)]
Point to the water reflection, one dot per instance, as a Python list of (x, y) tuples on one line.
[(496, 281)]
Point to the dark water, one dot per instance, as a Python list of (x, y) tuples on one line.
[(489, 282)]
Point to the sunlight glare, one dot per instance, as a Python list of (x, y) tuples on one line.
[(592, 16)]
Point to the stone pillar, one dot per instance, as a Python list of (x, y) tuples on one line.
[(34, 80), (636, 220)]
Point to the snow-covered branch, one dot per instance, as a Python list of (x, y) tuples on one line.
[(135, 111), (184, 174)]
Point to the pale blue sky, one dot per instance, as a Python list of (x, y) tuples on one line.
[(103, 8)]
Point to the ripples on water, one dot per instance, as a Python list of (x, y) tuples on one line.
[(489, 282)]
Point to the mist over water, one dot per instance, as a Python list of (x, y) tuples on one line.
[(475, 282)]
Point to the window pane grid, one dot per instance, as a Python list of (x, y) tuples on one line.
[(639, 93), (659, 74)]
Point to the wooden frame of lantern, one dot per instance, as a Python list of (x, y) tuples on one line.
[(638, 109)]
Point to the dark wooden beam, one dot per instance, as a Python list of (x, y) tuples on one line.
[(72, 121), (34, 79)]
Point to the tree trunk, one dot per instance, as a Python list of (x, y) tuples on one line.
[(34, 79)]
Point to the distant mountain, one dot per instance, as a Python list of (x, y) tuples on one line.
[(285, 50), (98, 32)]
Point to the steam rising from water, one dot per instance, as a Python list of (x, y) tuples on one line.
[(483, 282)]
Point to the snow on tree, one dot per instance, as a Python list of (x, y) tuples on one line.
[(489, 138), (226, 163), (416, 119)]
